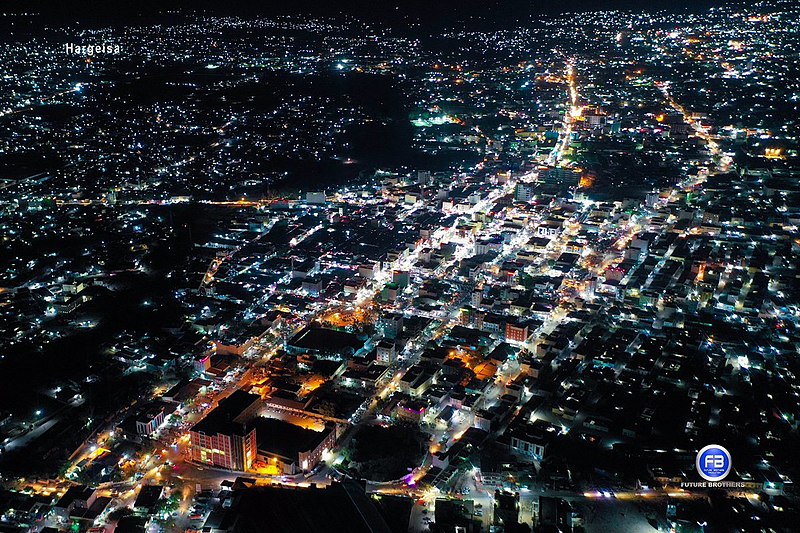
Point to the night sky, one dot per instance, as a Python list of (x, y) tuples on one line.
[(399, 12)]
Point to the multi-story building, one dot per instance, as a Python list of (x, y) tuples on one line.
[(290, 449), (524, 192), (222, 438), (561, 176), (385, 353), (153, 417), (531, 440), (517, 331)]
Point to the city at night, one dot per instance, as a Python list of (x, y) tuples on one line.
[(400, 267)]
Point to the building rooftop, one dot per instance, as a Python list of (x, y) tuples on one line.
[(325, 340), (284, 439), (340, 507), (223, 418)]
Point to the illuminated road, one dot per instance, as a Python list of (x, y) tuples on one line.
[(570, 115), (723, 162), (28, 104)]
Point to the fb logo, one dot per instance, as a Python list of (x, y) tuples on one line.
[(713, 463)]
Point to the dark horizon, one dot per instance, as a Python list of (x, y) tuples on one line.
[(393, 12)]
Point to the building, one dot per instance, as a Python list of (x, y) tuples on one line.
[(489, 244), (385, 353), (19, 509), (456, 515), (325, 343), (532, 440), (548, 229), (555, 513), (291, 449), (338, 507), (506, 508), (561, 176), (527, 444), (392, 324), (518, 331), (147, 420), (316, 197), (148, 499), (153, 417), (222, 438), (401, 277), (364, 377), (409, 410), (524, 192), (76, 497)]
